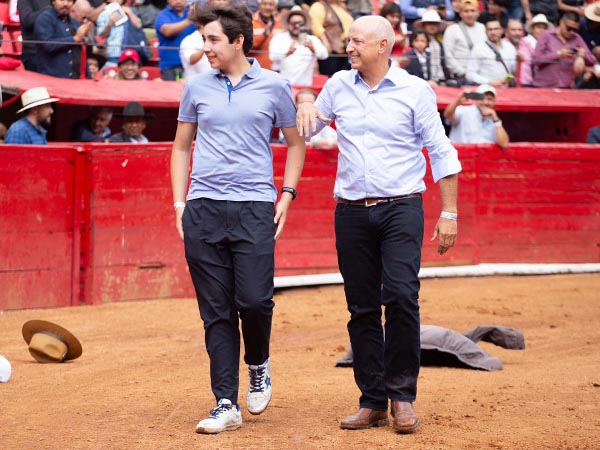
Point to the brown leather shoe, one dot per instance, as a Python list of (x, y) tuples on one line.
[(405, 417), (365, 418)]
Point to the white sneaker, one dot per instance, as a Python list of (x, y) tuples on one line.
[(259, 387), (225, 417)]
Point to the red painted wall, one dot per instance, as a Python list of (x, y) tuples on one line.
[(94, 224)]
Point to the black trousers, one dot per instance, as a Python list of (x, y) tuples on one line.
[(379, 255), (229, 248)]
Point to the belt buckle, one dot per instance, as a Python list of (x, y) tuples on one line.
[(371, 202)]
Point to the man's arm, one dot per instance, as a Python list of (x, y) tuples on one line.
[(449, 112), (446, 228), (293, 169), (180, 166)]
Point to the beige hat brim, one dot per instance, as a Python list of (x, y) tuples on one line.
[(38, 103), (34, 326), (592, 12)]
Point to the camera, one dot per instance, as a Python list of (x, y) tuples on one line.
[(474, 96)]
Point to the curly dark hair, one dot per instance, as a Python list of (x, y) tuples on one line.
[(235, 21)]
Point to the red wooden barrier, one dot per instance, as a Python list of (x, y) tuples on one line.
[(94, 224)]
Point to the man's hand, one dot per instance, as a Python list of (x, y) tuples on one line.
[(306, 119), (281, 213), (488, 113), (82, 32), (178, 221), (446, 230)]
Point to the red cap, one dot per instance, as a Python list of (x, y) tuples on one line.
[(129, 54)]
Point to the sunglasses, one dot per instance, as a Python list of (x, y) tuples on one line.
[(296, 24), (572, 29)]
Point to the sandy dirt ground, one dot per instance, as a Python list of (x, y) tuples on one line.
[(142, 381)]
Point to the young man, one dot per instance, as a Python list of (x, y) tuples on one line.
[(229, 224), (379, 215)]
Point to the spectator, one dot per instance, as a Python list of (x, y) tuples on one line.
[(32, 128), (497, 10), (95, 63), (95, 128), (29, 10), (593, 136), (294, 51), (548, 8), (561, 54), (172, 26), (478, 123), (359, 8), (456, 8), (515, 37), (147, 13), (419, 57), (191, 51), (330, 23), (129, 66), (413, 10), (432, 24), (265, 25), (535, 28), (109, 28), (493, 61), (393, 14), (591, 28), (60, 53), (134, 123), (459, 39)]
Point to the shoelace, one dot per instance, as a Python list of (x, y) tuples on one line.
[(220, 409), (257, 377)]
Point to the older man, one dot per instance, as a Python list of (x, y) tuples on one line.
[(95, 128), (133, 126), (59, 53), (379, 215), (515, 37), (561, 54), (32, 128)]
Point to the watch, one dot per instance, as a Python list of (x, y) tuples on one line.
[(290, 190)]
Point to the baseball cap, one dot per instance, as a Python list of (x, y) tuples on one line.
[(129, 54), (485, 88), (5, 369), (469, 3)]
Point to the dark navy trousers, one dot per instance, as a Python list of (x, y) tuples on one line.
[(379, 255), (229, 248)]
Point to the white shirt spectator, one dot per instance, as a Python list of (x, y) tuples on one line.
[(190, 45), (298, 67), (483, 68), (469, 127)]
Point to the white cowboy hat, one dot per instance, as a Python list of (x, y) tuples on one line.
[(539, 18), (592, 12), (35, 97), (50, 343), (5, 369)]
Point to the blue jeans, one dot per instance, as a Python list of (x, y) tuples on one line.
[(379, 255), (229, 248)]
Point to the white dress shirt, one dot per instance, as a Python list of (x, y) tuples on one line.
[(381, 134), (299, 66)]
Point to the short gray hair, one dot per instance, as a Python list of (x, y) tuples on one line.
[(379, 27)]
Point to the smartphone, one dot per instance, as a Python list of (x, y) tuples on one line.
[(113, 8), (302, 36), (474, 96)]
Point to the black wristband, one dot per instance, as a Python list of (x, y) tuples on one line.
[(289, 190)]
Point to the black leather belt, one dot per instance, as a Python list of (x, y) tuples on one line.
[(367, 202)]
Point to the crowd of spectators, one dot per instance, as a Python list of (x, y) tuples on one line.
[(461, 43)]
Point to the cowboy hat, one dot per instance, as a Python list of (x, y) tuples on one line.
[(537, 19), (134, 109), (592, 12), (5, 369), (35, 97), (430, 16), (297, 11), (50, 343)]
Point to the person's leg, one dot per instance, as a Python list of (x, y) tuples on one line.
[(359, 260), (401, 225), (211, 268), (253, 248)]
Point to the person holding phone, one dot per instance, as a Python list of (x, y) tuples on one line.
[(294, 51), (477, 123), (561, 55), (111, 26)]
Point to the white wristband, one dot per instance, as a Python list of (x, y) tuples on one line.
[(178, 205), (498, 123), (449, 215)]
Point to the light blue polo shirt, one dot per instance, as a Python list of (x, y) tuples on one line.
[(232, 159)]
